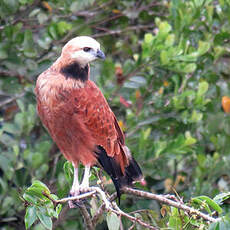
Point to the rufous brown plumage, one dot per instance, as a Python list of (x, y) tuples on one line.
[(79, 119)]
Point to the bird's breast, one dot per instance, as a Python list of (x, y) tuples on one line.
[(55, 88)]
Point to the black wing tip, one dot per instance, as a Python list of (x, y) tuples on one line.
[(132, 171)]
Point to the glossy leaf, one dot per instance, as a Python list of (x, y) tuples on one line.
[(113, 221), (44, 218), (30, 216)]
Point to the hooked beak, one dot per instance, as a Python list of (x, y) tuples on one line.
[(100, 54)]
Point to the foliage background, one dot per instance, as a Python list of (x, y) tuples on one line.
[(166, 72)]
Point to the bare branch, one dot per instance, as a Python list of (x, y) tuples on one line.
[(98, 214), (119, 212), (101, 209), (87, 218), (79, 197), (167, 201), (11, 99), (111, 206), (107, 205), (112, 32)]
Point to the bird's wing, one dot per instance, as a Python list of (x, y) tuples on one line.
[(93, 111)]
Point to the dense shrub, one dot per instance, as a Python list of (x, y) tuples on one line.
[(166, 72)]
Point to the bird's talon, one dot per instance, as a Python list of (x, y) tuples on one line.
[(83, 190), (78, 203)]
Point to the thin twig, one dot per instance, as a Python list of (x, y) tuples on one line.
[(112, 32), (79, 197), (87, 217), (83, 210), (112, 206), (107, 205), (165, 200), (61, 218), (101, 209), (103, 196), (119, 212), (11, 99), (98, 214)]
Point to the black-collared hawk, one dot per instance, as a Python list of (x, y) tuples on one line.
[(79, 119)]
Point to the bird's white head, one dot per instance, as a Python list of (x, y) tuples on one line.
[(83, 49)]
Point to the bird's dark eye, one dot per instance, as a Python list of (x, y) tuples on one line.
[(86, 49)]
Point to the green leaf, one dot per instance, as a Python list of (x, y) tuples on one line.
[(148, 38), (44, 218), (30, 216), (189, 68), (113, 221), (196, 116), (184, 67), (210, 202), (3, 52), (135, 82), (220, 198), (189, 139), (94, 206), (45, 41), (80, 5), (37, 159), (164, 57), (164, 28), (146, 133), (203, 47), (63, 27), (21, 105), (174, 219), (223, 224), (36, 190), (42, 18), (58, 209), (20, 122), (30, 198), (160, 147), (138, 79), (187, 58), (4, 163), (68, 169), (28, 44), (202, 88), (10, 6), (202, 204), (149, 121), (214, 226), (170, 40), (39, 184), (53, 31)]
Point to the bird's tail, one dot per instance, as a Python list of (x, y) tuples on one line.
[(131, 174)]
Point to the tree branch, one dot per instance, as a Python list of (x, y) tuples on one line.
[(79, 197), (112, 32), (109, 205), (11, 99), (119, 212), (169, 202), (87, 217)]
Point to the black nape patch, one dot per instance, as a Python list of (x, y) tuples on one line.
[(74, 70), (109, 164)]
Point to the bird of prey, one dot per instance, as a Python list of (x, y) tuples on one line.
[(79, 119)]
